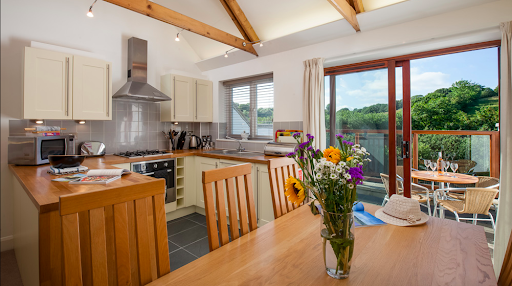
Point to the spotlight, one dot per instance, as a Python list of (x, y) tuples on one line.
[(39, 121), (261, 44), (90, 14), (177, 37), (226, 55)]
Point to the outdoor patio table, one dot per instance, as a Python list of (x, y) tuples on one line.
[(446, 177)]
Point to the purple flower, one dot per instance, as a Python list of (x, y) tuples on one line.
[(289, 155), (350, 143), (310, 137), (356, 173), (344, 142), (339, 136), (311, 149), (301, 158), (296, 135), (303, 145)]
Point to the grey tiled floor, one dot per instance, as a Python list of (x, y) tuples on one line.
[(188, 239)]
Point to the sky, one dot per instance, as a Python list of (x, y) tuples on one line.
[(358, 90)]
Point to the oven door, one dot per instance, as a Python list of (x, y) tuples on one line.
[(170, 185)]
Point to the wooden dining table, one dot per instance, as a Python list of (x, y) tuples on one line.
[(445, 177), (288, 251)]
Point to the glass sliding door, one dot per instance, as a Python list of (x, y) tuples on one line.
[(357, 107)]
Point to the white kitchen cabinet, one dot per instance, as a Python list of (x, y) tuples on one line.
[(191, 99), (47, 84), (63, 86), (92, 89), (264, 208), (203, 164), (203, 101)]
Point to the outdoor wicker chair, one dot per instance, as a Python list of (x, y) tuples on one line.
[(419, 193), (476, 201)]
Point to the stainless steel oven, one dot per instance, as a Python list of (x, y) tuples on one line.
[(162, 168), (34, 150)]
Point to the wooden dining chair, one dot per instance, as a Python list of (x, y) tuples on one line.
[(239, 175), (278, 171), (115, 236), (505, 278)]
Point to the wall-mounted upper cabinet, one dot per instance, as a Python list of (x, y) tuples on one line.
[(63, 86), (92, 89), (47, 85), (192, 99)]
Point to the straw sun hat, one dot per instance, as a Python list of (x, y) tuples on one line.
[(402, 211)]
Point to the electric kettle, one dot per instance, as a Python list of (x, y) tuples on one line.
[(195, 142)]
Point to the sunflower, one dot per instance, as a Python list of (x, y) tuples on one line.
[(332, 154), (294, 191)]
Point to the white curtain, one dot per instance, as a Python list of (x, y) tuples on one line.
[(504, 220), (314, 101)]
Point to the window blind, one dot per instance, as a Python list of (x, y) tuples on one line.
[(249, 107)]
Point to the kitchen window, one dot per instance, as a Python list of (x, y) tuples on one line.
[(249, 107)]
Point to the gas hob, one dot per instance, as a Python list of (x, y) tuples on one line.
[(142, 153)]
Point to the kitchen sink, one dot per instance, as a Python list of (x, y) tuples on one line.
[(234, 153)]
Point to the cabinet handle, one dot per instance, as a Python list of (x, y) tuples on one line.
[(174, 93), (196, 99), (67, 86), (108, 90)]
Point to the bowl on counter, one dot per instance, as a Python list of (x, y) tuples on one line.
[(66, 161)]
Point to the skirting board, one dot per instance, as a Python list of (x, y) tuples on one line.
[(6, 243)]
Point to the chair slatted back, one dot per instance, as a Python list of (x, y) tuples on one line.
[(243, 197), (278, 171), (478, 200), (505, 278), (115, 236)]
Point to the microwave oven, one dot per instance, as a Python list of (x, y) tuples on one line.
[(26, 150)]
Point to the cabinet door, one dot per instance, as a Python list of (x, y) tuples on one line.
[(203, 101), (47, 85), (182, 99), (265, 207), (203, 164), (92, 89)]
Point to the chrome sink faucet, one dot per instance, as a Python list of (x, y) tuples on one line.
[(240, 148)]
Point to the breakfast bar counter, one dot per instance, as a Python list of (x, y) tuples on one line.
[(44, 193)]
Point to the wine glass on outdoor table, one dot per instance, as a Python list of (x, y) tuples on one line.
[(427, 164), (433, 166), (454, 167)]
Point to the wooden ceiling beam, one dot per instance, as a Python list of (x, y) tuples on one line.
[(358, 6), (174, 18), (347, 12), (241, 22)]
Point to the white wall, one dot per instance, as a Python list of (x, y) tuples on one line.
[(470, 25), (64, 23)]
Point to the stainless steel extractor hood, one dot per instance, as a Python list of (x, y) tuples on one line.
[(137, 87)]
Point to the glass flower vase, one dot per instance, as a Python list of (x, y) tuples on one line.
[(337, 231)]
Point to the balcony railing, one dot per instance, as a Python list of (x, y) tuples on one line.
[(480, 148)]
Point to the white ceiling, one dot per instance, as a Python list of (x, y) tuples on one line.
[(271, 19)]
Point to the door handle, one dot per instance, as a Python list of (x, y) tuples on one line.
[(406, 149), (67, 87), (108, 90), (174, 93)]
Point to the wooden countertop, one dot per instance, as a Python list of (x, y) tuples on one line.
[(288, 251), (45, 193)]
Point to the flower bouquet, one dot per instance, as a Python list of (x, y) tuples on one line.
[(331, 177)]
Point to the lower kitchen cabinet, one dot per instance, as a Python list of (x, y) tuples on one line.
[(264, 205), (203, 164), (190, 181)]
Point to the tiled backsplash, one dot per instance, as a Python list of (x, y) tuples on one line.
[(134, 126), (137, 126)]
